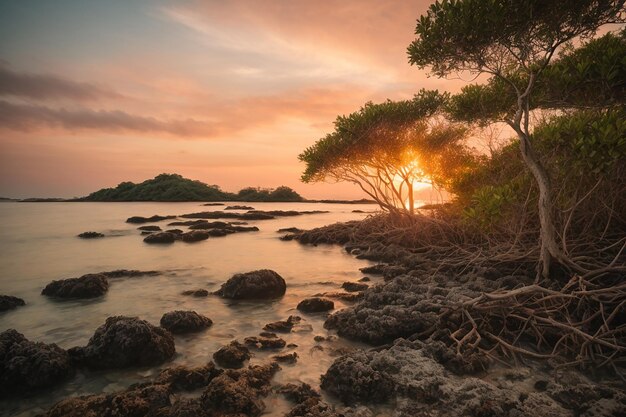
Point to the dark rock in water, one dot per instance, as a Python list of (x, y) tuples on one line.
[(283, 326), (194, 236), (289, 230), (224, 215), (239, 208), (209, 225), (196, 293), (261, 342), (8, 302), (377, 269), (354, 286), (185, 321), (260, 284), (161, 237), (256, 216), (285, 213), (343, 296), (87, 286), (352, 378), (358, 211), (144, 233), (220, 232), (155, 218), (244, 228), (315, 305), (130, 273), (232, 355), (90, 235), (187, 223), (182, 378), (175, 231), (298, 393), (365, 279), (123, 342), (149, 228), (290, 358), (213, 204), (238, 393), (26, 366)]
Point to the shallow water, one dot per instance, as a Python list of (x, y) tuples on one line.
[(39, 244)]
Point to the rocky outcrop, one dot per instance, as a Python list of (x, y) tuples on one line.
[(161, 237), (90, 235), (182, 378), (196, 293), (205, 225), (289, 358), (26, 366), (155, 218), (239, 208), (179, 322), (282, 326), (128, 273), (315, 305), (194, 236), (8, 302), (260, 284), (226, 215), (289, 230), (354, 286), (87, 286), (123, 342), (265, 342), (149, 228), (232, 355)]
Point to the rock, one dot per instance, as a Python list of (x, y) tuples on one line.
[(182, 378), (283, 326), (161, 237), (289, 230), (155, 218), (187, 223), (261, 342), (358, 211), (8, 302), (196, 293), (354, 286), (26, 366), (123, 342), (130, 273), (261, 284), (239, 208), (238, 393), (285, 213), (144, 233), (315, 305), (90, 235), (244, 228), (87, 286), (149, 228), (194, 236), (204, 225), (290, 358), (365, 279), (179, 322), (220, 232), (225, 215), (175, 231), (308, 402), (343, 296), (377, 269), (232, 355), (213, 204)]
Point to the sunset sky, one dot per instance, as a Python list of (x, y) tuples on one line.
[(93, 93)]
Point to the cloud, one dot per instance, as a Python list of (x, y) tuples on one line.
[(44, 87)]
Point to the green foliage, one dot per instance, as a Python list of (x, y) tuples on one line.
[(489, 205), (173, 187)]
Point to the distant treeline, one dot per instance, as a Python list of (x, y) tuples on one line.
[(173, 187)]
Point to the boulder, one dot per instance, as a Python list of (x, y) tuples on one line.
[(239, 208), (354, 286), (194, 236), (283, 326), (123, 342), (196, 293), (8, 302), (289, 358), (264, 342), (161, 237), (205, 225), (175, 231), (87, 286), (232, 355), (26, 366), (149, 228), (182, 378), (315, 305), (90, 235), (289, 230), (155, 218), (128, 273), (185, 322), (261, 284)]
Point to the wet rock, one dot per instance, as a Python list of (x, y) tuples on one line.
[(128, 273), (289, 358), (244, 228), (26, 366), (238, 393), (179, 322), (289, 230), (365, 279), (123, 342), (87, 286), (144, 233), (194, 236), (149, 228), (315, 305), (213, 204), (232, 355), (308, 402), (285, 213), (226, 215), (187, 223), (155, 218), (8, 302), (175, 231), (283, 326), (343, 296), (259, 284), (161, 237), (196, 293), (90, 235), (377, 269), (239, 208), (205, 225), (182, 378), (220, 232), (261, 342), (354, 286)]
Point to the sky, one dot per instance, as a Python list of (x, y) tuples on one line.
[(93, 93)]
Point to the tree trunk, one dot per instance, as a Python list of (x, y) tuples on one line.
[(411, 202), (549, 248)]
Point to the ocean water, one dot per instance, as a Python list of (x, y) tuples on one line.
[(39, 244)]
